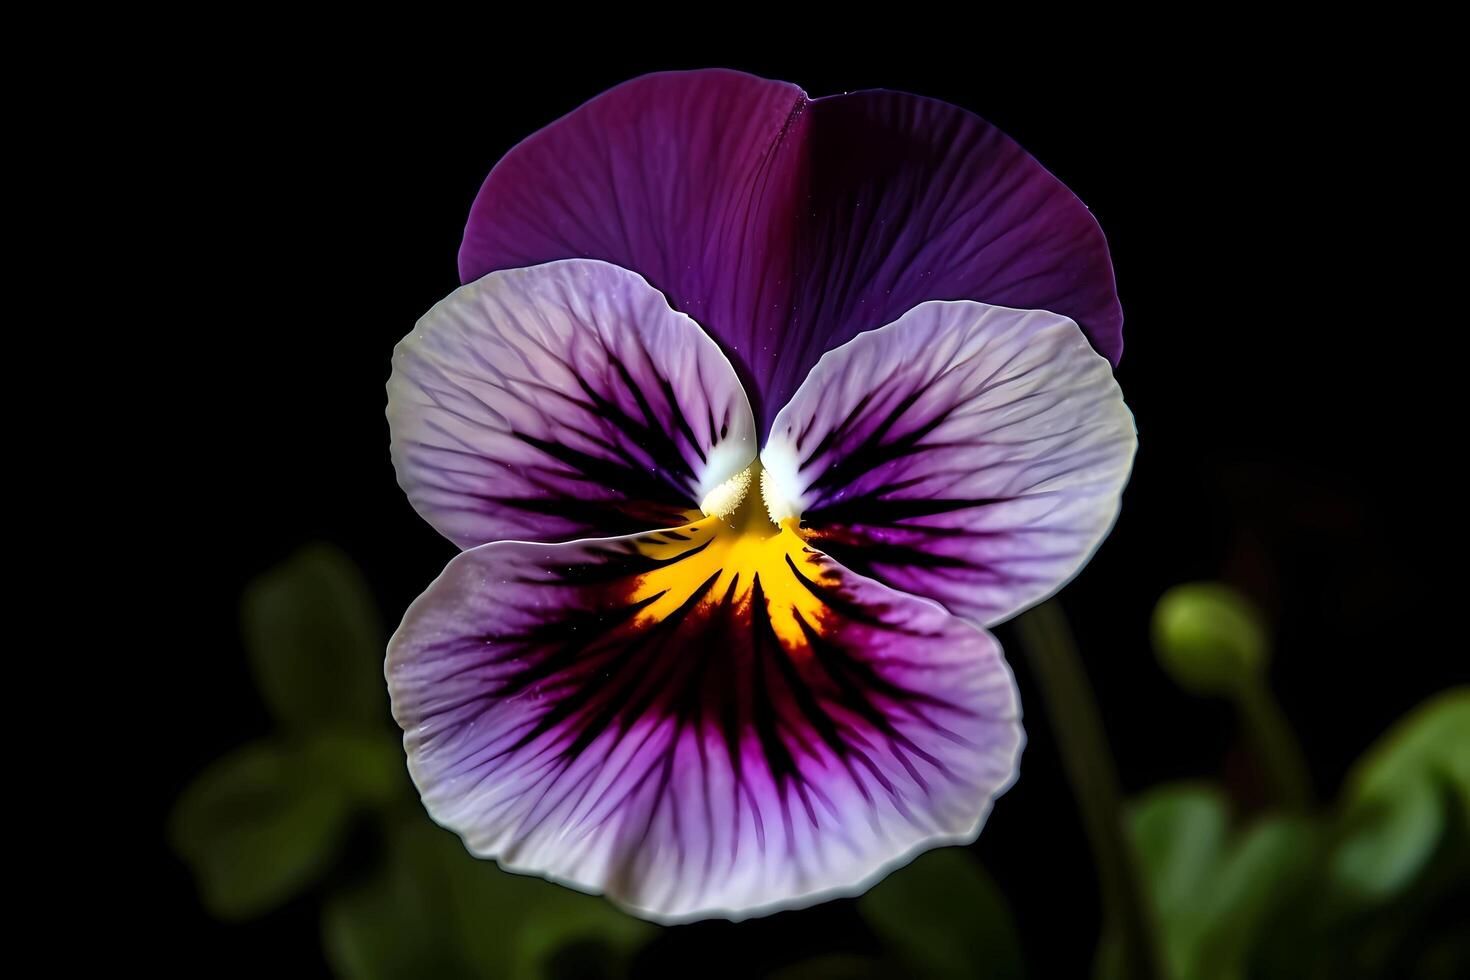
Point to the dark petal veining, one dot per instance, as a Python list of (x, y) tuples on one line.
[(628, 716), (967, 453), (562, 401)]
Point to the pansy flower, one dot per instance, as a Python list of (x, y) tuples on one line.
[(753, 412)]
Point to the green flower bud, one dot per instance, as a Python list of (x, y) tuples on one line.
[(1209, 638)]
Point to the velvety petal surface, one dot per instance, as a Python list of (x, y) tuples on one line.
[(787, 225), (560, 401), (969, 453), (678, 176), (700, 721)]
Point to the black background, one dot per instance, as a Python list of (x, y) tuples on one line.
[(1280, 343)]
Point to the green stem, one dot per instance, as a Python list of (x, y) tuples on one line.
[(1071, 708), (1276, 745)]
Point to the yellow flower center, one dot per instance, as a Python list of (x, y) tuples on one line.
[(746, 537)]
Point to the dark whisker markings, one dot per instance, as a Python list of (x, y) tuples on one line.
[(833, 599), (604, 669), (879, 511), (681, 424), (873, 453), (640, 644), (837, 433), (631, 481), (854, 681), (779, 760), (646, 435), (626, 710)]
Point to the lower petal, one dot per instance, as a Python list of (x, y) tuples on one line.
[(698, 721)]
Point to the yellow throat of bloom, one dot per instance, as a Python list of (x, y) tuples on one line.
[(749, 537)]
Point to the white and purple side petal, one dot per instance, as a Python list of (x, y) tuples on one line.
[(561, 401), (969, 453), (787, 225), (730, 755)]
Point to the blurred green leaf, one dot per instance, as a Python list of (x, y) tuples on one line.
[(1395, 804), (258, 826), (1213, 891), (368, 766), (1180, 833), (1385, 842), (945, 916), (400, 922), (315, 641), (1209, 638), (438, 911), (1433, 738), (1262, 872)]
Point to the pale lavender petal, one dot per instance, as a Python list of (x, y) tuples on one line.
[(649, 718), (969, 453), (565, 400), (787, 225)]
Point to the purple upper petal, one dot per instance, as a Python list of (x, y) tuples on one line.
[(565, 400), (968, 453), (699, 721), (786, 225)]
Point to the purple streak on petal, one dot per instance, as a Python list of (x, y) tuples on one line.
[(972, 454), (560, 401), (695, 764), (785, 225)]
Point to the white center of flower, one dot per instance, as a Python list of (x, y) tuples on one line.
[(726, 500), (777, 505)]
